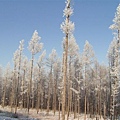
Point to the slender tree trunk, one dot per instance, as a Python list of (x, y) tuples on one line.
[(75, 107), (12, 95), (13, 88), (48, 101), (69, 91), (104, 110), (78, 108), (65, 69), (42, 101), (28, 97), (49, 91), (30, 85), (100, 99), (18, 84), (65, 77), (85, 101), (54, 100), (38, 91), (85, 106), (23, 83), (38, 101), (79, 99), (38, 97), (4, 93), (59, 109), (33, 96)]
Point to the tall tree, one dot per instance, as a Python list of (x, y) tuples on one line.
[(23, 82), (50, 62), (114, 70), (34, 47), (73, 53), (20, 50), (88, 55), (40, 64), (67, 27)]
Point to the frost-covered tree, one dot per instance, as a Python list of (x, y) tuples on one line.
[(76, 84), (40, 64), (34, 47), (87, 57), (24, 81), (6, 79), (56, 79), (116, 21), (114, 56), (73, 53), (50, 62), (19, 58), (67, 27), (14, 79), (114, 75)]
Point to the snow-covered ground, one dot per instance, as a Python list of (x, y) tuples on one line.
[(42, 115)]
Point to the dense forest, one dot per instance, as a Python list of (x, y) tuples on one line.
[(75, 83)]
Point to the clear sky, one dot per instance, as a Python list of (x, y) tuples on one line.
[(19, 19)]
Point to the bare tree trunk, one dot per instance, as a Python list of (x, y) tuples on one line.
[(18, 83), (28, 97), (59, 109), (100, 100), (30, 85), (75, 109), (4, 93), (38, 90), (38, 97), (85, 106), (85, 101), (54, 98), (49, 90), (33, 98), (48, 101), (69, 91), (41, 101), (78, 108), (65, 69), (13, 88), (38, 101), (104, 110)]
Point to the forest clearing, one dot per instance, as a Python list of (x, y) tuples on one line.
[(72, 87)]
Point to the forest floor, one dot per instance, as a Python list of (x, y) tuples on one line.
[(22, 114)]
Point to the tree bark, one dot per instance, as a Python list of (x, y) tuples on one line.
[(30, 85)]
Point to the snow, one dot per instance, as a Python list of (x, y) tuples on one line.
[(34, 45), (42, 115)]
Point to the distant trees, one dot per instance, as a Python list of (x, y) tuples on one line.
[(6, 82), (76, 83)]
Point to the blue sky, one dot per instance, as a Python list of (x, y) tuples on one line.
[(19, 19)]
